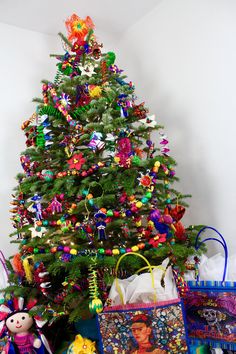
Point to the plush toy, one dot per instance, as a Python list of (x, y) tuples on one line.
[(81, 346), (16, 322)]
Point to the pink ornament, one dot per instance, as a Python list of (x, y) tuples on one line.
[(56, 206), (124, 152)]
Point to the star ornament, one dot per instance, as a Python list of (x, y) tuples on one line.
[(145, 180), (149, 121), (87, 70)]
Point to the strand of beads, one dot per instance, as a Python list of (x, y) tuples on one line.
[(100, 251), (84, 173)]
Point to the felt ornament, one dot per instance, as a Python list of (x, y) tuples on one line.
[(149, 121), (87, 69), (37, 206), (101, 225), (76, 161), (37, 230)]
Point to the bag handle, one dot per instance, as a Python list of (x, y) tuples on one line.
[(221, 241), (149, 267)]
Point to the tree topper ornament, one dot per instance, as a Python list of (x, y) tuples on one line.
[(16, 322)]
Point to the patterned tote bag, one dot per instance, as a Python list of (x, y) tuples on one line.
[(157, 327), (210, 306)]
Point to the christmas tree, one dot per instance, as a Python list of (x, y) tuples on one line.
[(94, 185)]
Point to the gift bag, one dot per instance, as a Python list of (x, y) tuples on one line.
[(156, 327), (211, 306)]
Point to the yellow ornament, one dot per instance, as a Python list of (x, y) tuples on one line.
[(116, 159), (135, 248), (115, 251), (73, 251), (139, 205), (95, 91), (82, 346)]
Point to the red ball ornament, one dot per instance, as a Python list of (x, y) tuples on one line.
[(116, 213)]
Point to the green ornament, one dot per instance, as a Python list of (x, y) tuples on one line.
[(45, 222), (110, 58), (47, 175), (148, 195), (36, 250), (85, 192), (24, 242), (101, 251), (109, 213), (95, 306), (136, 160)]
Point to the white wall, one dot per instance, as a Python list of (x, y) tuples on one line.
[(24, 62), (182, 60)]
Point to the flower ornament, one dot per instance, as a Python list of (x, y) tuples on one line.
[(78, 28), (65, 101), (76, 161), (95, 91), (157, 240)]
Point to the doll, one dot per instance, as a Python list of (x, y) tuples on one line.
[(17, 322)]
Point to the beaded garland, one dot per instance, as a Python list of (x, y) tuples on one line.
[(100, 251)]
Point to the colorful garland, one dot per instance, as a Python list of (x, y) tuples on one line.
[(49, 88), (93, 252)]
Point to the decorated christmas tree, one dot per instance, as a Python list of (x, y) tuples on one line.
[(95, 185)]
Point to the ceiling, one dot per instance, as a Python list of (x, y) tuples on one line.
[(48, 16)]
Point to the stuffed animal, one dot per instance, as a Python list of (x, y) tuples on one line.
[(81, 346), (16, 322)]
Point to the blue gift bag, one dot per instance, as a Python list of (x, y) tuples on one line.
[(211, 306)]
